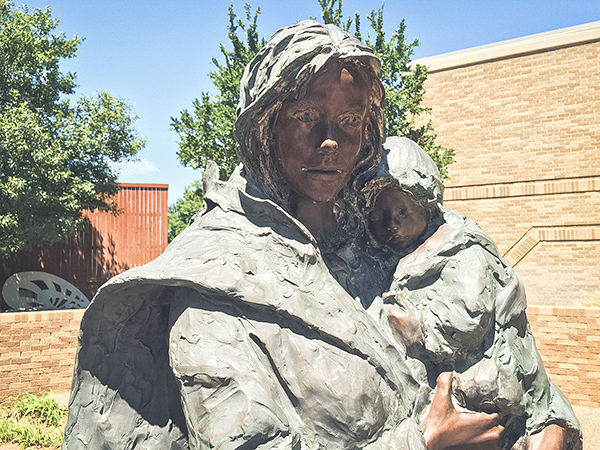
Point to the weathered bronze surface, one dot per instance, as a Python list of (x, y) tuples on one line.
[(266, 323)]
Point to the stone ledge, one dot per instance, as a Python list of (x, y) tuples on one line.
[(535, 43), (523, 189)]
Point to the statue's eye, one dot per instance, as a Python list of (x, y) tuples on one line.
[(350, 120), (376, 215), (305, 115)]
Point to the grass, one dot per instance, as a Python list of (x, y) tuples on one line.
[(32, 421)]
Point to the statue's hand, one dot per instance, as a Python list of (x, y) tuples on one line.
[(446, 426), (405, 323)]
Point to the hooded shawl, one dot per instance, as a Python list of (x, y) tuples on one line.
[(280, 72)]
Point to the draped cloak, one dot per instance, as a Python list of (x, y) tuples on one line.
[(238, 337)]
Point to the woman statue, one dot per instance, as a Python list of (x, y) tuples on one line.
[(238, 336)]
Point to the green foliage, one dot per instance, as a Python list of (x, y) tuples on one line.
[(43, 408), (32, 421), (207, 133), (55, 157), (184, 209), (331, 12), (30, 52)]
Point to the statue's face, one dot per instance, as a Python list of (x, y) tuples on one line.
[(318, 136), (397, 220)]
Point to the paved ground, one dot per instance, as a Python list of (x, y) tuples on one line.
[(62, 399)]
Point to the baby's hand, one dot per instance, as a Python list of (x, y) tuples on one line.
[(405, 323)]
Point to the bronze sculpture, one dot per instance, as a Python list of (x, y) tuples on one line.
[(239, 336)]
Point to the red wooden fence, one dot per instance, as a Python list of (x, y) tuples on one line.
[(107, 245)]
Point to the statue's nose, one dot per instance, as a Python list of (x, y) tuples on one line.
[(394, 222), (328, 146)]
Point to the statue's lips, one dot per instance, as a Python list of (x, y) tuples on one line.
[(322, 172), (402, 241), (395, 239)]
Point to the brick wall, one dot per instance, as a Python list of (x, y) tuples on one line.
[(569, 341), (523, 118), (37, 350)]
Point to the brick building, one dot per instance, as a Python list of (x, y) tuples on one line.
[(524, 118)]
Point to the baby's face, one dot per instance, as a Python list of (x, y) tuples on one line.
[(397, 220)]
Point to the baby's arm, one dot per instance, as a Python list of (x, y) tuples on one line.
[(404, 320)]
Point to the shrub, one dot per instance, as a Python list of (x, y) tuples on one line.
[(30, 420)]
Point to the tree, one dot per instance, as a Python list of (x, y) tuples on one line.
[(182, 211), (55, 157), (207, 133)]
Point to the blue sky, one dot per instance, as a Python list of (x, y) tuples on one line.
[(156, 54)]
